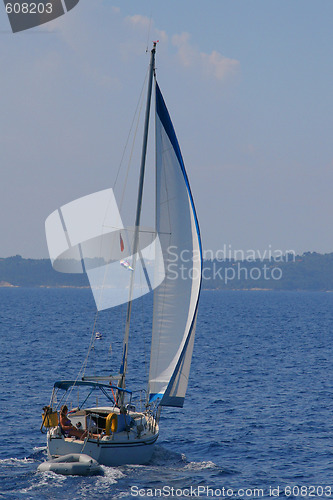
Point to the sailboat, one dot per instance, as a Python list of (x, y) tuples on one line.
[(116, 431)]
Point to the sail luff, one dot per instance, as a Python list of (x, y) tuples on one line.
[(123, 367)]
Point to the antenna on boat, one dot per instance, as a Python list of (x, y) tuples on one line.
[(123, 367)]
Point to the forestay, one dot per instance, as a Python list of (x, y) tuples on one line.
[(176, 299)]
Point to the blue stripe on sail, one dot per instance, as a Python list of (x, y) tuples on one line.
[(153, 397), (164, 116), (175, 401)]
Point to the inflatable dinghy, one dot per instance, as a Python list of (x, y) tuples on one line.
[(74, 464)]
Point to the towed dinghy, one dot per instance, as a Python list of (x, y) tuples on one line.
[(74, 464)]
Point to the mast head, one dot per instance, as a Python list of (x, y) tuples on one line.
[(153, 51)]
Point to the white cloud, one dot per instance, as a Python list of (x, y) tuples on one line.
[(139, 21), (218, 65), (214, 64), (141, 33), (186, 53), (161, 36)]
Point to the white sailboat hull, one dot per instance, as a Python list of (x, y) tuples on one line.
[(111, 452)]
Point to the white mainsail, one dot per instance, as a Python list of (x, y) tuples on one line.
[(176, 299)]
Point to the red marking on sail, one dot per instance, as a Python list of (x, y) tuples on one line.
[(122, 246)]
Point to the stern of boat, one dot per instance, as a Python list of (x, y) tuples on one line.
[(134, 446)]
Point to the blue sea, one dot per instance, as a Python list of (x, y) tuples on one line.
[(257, 420)]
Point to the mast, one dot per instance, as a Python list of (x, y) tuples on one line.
[(123, 367)]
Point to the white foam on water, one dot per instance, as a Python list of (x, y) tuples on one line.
[(39, 448), (17, 461), (111, 475), (201, 465), (43, 479)]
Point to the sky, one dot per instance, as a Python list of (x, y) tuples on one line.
[(249, 89)]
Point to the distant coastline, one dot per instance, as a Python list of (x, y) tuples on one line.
[(309, 271)]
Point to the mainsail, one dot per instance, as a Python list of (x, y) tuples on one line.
[(176, 299)]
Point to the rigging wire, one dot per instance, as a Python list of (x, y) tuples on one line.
[(143, 331), (136, 118), (131, 128), (141, 101)]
